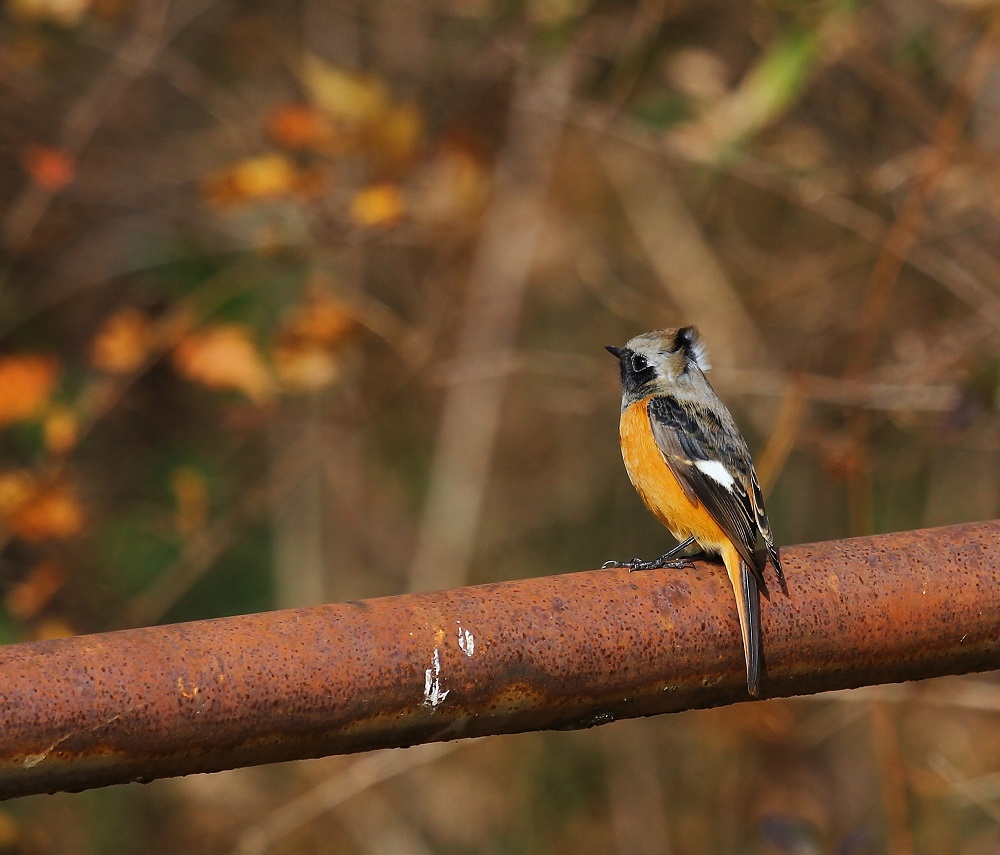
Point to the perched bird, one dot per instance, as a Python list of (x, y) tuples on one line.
[(691, 466)]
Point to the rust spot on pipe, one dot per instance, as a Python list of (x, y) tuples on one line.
[(557, 652)]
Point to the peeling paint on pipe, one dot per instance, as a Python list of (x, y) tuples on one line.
[(565, 651)]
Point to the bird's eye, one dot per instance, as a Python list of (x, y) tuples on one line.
[(639, 363)]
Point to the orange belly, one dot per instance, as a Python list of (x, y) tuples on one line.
[(659, 489)]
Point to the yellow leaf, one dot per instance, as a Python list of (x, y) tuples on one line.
[(123, 342), (26, 384), (354, 100), (360, 115), (224, 357), (64, 13), (395, 136), (305, 348), (15, 488), (305, 367), (270, 176), (60, 430), (377, 205), (52, 627)]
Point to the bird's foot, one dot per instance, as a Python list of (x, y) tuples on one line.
[(655, 564)]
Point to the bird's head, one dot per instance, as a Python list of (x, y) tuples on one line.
[(655, 362)]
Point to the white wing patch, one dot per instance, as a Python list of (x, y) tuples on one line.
[(717, 472)]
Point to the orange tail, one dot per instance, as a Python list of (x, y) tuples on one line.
[(748, 607)]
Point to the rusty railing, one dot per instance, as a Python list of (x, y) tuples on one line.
[(558, 652)]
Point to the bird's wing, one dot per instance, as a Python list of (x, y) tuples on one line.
[(711, 462), (763, 525)]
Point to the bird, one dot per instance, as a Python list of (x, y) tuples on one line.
[(691, 466)]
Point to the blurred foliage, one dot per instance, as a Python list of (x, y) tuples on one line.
[(254, 259)]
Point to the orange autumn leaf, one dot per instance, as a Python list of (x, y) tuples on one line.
[(26, 385), (305, 354), (260, 179), (224, 357), (15, 488), (60, 430), (48, 511), (123, 342), (50, 168), (377, 205), (300, 126), (322, 320), (32, 594)]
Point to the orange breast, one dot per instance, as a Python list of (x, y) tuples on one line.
[(659, 489)]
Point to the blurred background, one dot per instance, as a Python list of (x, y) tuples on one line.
[(303, 302)]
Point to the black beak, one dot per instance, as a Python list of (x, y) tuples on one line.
[(616, 352)]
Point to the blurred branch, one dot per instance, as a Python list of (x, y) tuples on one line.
[(903, 235), (562, 652), (823, 201), (683, 260), (782, 439), (898, 243), (842, 211), (381, 826), (362, 774), (892, 779), (636, 800), (979, 791), (965, 694), (133, 58), (488, 329), (201, 551), (866, 394), (198, 556)]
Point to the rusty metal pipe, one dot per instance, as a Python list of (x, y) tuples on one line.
[(558, 652)]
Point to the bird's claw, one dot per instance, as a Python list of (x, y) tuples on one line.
[(656, 564), (639, 564), (634, 564)]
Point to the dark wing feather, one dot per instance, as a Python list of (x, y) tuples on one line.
[(763, 525), (686, 435)]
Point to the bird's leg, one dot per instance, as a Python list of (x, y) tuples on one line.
[(663, 561)]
